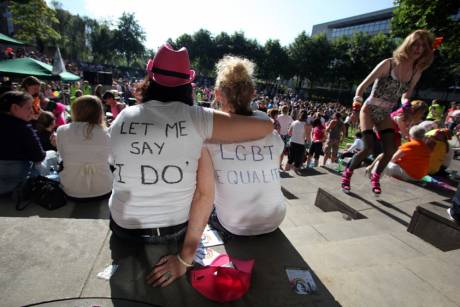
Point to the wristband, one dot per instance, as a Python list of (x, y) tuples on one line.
[(187, 265), (358, 99)]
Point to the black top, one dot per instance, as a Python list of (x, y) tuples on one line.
[(19, 140), (45, 140)]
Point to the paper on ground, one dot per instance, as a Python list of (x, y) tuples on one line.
[(108, 272)]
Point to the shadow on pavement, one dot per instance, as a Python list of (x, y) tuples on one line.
[(269, 287), (77, 210)]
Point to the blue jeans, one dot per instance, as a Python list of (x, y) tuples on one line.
[(12, 173), (456, 202)]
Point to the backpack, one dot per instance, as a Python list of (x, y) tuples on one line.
[(42, 191)]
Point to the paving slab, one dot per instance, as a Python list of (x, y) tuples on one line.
[(416, 243), (307, 218), (384, 285), (440, 275), (303, 236), (351, 229), (333, 257), (450, 257), (43, 259)]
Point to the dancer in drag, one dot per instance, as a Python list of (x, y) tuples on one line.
[(393, 78)]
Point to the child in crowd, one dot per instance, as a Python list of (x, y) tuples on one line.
[(45, 125)]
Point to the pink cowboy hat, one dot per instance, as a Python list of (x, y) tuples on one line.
[(170, 67)]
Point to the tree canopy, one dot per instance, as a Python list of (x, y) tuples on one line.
[(339, 63)]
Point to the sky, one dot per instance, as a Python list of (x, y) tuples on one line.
[(258, 19)]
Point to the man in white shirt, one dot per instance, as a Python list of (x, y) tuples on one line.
[(285, 121)]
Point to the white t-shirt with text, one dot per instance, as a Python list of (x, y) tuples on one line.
[(155, 148), (248, 198)]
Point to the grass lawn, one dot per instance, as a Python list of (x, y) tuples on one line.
[(348, 140)]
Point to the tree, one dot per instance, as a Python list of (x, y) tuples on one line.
[(72, 28), (102, 42), (130, 37), (33, 21), (298, 54), (439, 17), (311, 58), (275, 61)]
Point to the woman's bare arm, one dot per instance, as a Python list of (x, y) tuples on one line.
[(233, 128), (380, 70)]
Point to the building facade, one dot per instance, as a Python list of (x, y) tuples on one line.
[(370, 23)]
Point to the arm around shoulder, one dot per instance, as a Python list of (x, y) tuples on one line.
[(232, 128)]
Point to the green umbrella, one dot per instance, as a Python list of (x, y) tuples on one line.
[(5, 39), (24, 67)]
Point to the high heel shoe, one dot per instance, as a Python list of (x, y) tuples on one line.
[(375, 183), (346, 180)]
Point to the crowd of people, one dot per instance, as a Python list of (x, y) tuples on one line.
[(126, 143)]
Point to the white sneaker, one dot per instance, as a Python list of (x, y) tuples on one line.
[(449, 213)]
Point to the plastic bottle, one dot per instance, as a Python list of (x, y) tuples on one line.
[(340, 166), (53, 175)]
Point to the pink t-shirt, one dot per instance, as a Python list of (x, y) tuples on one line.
[(318, 134), (116, 109)]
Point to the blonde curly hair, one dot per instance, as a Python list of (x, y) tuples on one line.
[(402, 53), (235, 81)]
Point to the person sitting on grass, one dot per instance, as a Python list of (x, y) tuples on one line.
[(357, 146), (411, 161)]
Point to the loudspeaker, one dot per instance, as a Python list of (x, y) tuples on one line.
[(90, 76), (104, 78)]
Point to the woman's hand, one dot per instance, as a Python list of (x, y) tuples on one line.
[(167, 270)]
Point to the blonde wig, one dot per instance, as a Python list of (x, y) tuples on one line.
[(402, 53)]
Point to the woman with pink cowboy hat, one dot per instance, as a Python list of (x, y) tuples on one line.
[(162, 191)]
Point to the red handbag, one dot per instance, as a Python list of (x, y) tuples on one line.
[(223, 284)]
